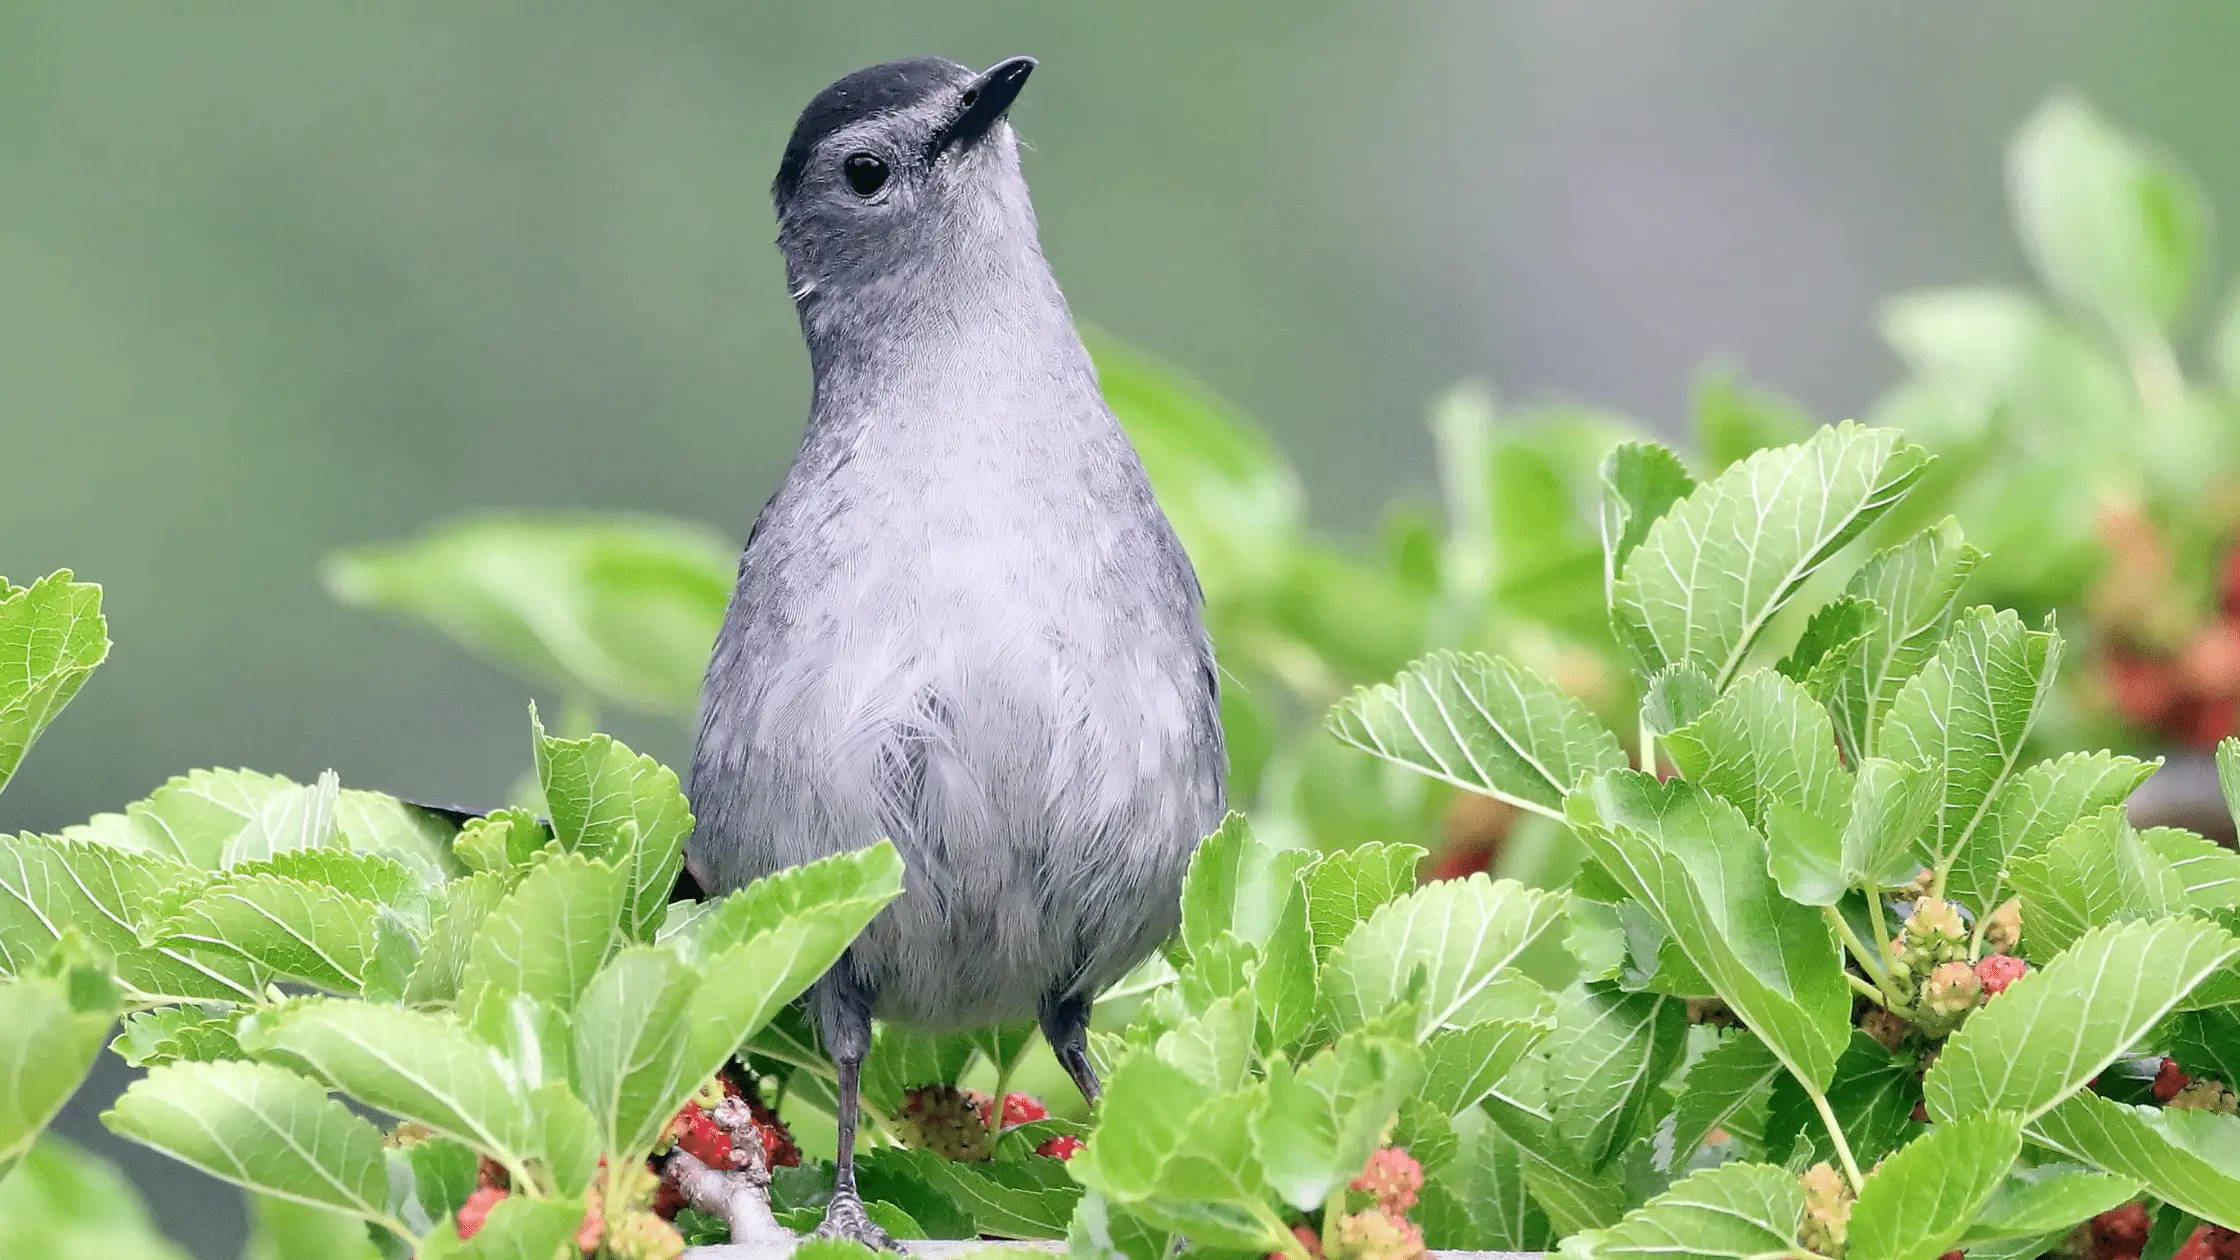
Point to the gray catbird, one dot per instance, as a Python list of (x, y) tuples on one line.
[(962, 622)]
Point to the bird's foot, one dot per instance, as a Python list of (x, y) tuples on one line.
[(844, 1217)]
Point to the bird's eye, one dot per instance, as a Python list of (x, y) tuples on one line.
[(866, 174)]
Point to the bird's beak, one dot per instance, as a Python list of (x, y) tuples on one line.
[(983, 101)]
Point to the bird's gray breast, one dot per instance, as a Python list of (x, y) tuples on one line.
[(994, 658)]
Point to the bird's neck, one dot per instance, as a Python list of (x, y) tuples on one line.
[(981, 329)]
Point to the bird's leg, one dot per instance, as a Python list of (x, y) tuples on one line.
[(1065, 1025), (846, 1018)]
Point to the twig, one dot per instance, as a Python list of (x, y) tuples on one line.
[(738, 1198)]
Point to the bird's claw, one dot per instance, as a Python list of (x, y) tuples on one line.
[(844, 1217)]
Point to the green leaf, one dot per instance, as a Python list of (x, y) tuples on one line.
[(416, 1066), (1872, 1095), (1735, 420), (901, 1059), (373, 822), (1317, 1126), (1462, 933), (623, 809), (1765, 741), (315, 934), (2056, 1028), (2207, 1042), (52, 1023), (2048, 1200), (622, 607), (2187, 1158), (467, 903), (1966, 714), (260, 1127), (1346, 887), (1836, 631), (1236, 883), (2115, 229), (1735, 1210), (1640, 483), (2098, 871), (444, 1175), (174, 1034), (1903, 599), (630, 1040), (1284, 983), (110, 895), (52, 635), (1717, 1085), (1711, 573), (1482, 724), (2030, 810), (2207, 871), (2228, 766), (1922, 1199), (1677, 695), (1015, 1199), (1462, 1065), (1215, 1046), (213, 819), (1178, 1155), (544, 941), (830, 887), (1693, 861), (1477, 1201), (1610, 1052), (63, 1203)]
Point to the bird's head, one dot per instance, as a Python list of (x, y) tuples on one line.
[(901, 169)]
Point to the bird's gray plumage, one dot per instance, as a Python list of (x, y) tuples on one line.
[(962, 622)]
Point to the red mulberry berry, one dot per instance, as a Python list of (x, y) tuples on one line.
[(2210, 1242), (1394, 1178), (1998, 971), (1017, 1109), (1307, 1238), (2121, 1231), (476, 1210), (2169, 1080), (1062, 1146), (698, 1136)]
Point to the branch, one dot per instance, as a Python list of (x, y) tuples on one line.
[(737, 1197)]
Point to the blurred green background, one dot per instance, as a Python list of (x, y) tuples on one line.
[(276, 278)]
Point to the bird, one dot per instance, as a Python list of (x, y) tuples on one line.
[(963, 622)]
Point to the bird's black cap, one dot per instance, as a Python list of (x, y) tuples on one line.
[(873, 90)]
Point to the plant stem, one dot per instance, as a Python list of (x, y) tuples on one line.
[(1868, 961), (1333, 1207), (1648, 748), (1868, 991), (1835, 1132), (1288, 1242)]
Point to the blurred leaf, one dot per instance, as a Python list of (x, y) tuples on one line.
[(283, 1229), (518, 1228), (63, 1203), (2115, 229), (52, 635), (260, 1127), (1709, 575), (1641, 482), (1483, 724), (2056, 1028), (622, 607), (1234, 502), (622, 808), (1731, 1210), (53, 1019), (1917, 1204), (2224, 343), (1735, 420)]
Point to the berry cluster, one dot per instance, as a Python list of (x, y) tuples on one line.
[(2121, 1234), (2173, 1088), (962, 1124), (1827, 1211), (2161, 667), (639, 1235), (1936, 983), (1375, 1225)]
